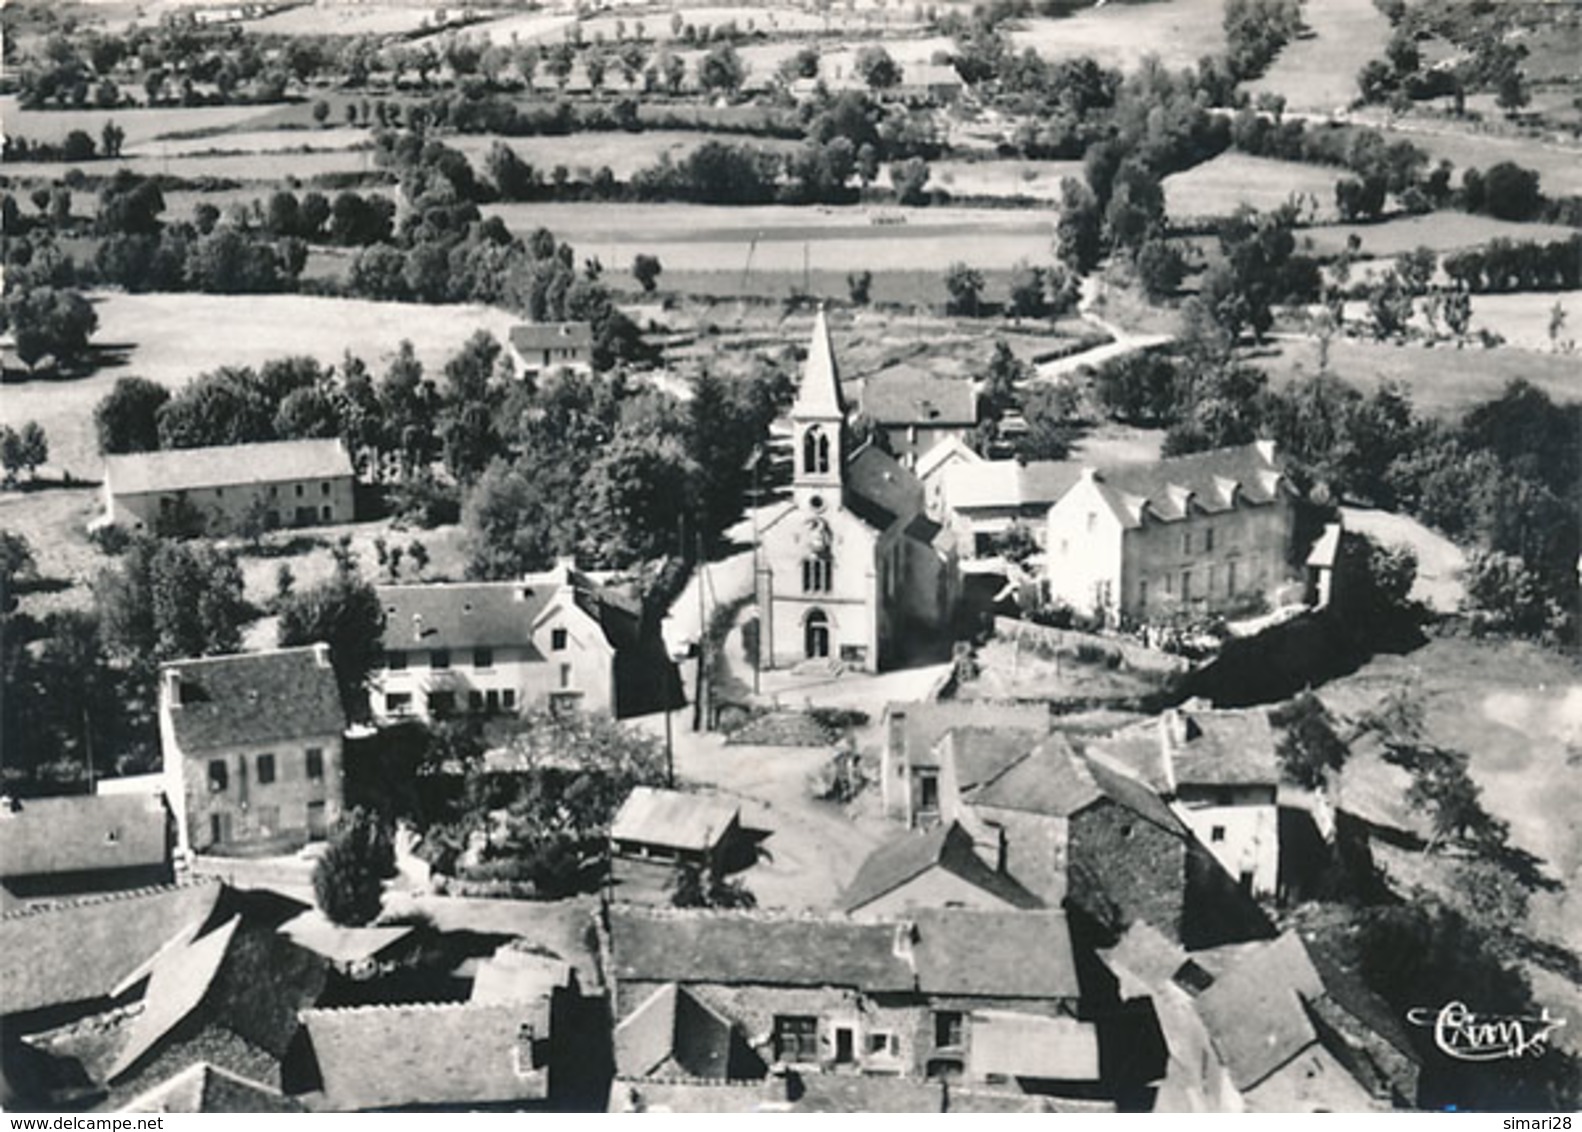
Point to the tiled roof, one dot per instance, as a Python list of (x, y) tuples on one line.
[(909, 854), (82, 832), (673, 819), (650, 945), (1049, 780), (110, 937), (1254, 1010), (186, 469), (178, 980), (203, 1087), (375, 1057), (922, 725), (551, 336), (1009, 483), (819, 393), (1030, 1045), (1171, 489), (1011, 954), (879, 489), (903, 396), (674, 1030), (1221, 747), (256, 698)]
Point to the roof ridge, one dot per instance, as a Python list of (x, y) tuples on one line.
[(249, 654), (408, 1007), (108, 897)]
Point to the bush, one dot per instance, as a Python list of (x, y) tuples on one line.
[(348, 880)]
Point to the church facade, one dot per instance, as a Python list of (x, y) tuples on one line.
[(851, 570)]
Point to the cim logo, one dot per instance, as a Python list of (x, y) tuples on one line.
[(1467, 1036)]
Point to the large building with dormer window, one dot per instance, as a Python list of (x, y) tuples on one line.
[(851, 570)]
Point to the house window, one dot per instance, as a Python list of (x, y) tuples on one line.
[(1142, 593), (557, 639), (565, 675), (1186, 585), (1208, 540), (928, 791), (315, 763), (1230, 578), (398, 702), (324, 487), (1217, 833), (219, 493), (816, 575), (491, 701), (1186, 542), (815, 452), (327, 513), (1213, 573), (563, 703), (299, 491), (266, 769), (219, 776), (948, 1029), (483, 658), (882, 1043), (439, 658), (508, 699), (395, 660), (475, 702), (796, 1038), (274, 491)]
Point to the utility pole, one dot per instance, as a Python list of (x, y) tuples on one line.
[(700, 712), (757, 459)]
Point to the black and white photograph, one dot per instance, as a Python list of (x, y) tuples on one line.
[(790, 556)]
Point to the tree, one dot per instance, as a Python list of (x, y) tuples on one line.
[(321, 111), (1006, 373), (348, 881), (1027, 295), (34, 447), (722, 69), (694, 887), (16, 559), (344, 612), (46, 322), (1505, 591), (165, 600), (964, 285), (877, 68), (1079, 227), (1160, 268), (78, 146), (10, 453), (111, 139), (909, 179), (1511, 192), (646, 269), (1310, 749)]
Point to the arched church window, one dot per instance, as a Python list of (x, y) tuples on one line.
[(823, 453)]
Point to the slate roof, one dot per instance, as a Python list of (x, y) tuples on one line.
[(1124, 789), (375, 1057), (1009, 483), (82, 832), (819, 394), (1049, 780), (950, 451), (675, 820), (111, 937), (178, 980), (1143, 959), (187, 469), (1173, 489), (673, 1031), (904, 396), (1221, 747), (979, 754), (551, 336), (879, 490), (519, 972), (910, 854), (1255, 1009), (1030, 1045), (1139, 750), (203, 1087), (462, 615), (739, 948), (968, 952), (261, 697), (922, 725)]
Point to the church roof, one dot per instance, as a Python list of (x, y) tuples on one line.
[(879, 489), (819, 394)]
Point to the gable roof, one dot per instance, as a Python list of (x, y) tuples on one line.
[(673, 1029), (909, 855), (818, 396), (1254, 1010), (1009, 483), (1143, 958), (879, 490), (902, 395), (700, 946), (1220, 747), (462, 615), (185, 469), (373, 1057), (979, 754), (178, 980), (82, 832), (111, 937), (1048, 780), (674, 819), (995, 954), (921, 725), (551, 336), (949, 452), (1123, 788), (261, 697), (202, 1087), (1178, 487)]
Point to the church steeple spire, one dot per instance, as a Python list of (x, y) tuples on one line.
[(818, 419), (819, 397)]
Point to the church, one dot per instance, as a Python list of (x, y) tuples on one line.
[(851, 571)]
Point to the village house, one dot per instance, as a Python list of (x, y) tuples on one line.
[(82, 843), (910, 765), (283, 483), (252, 748), (984, 500), (917, 410), (850, 569), (979, 996), (554, 640), (538, 349), (1220, 770), (935, 868), (1206, 533), (934, 465)]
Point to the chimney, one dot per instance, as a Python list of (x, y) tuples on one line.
[(905, 938), (172, 689), (321, 654)]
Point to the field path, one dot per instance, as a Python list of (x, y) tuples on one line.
[(1124, 342)]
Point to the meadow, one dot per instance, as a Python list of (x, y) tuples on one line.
[(1318, 71), (1178, 32), (141, 123), (584, 154), (1222, 184), (1559, 166), (1441, 231)]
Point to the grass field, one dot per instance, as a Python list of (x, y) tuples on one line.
[(1442, 231), (172, 338), (1444, 381), (310, 161), (1037, 179), (1318, 72), (624, 153), (345, 19), (1559, 167), (140, 123), (1179, 32), (522, 27), (1219, 186), (1522, 320)]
